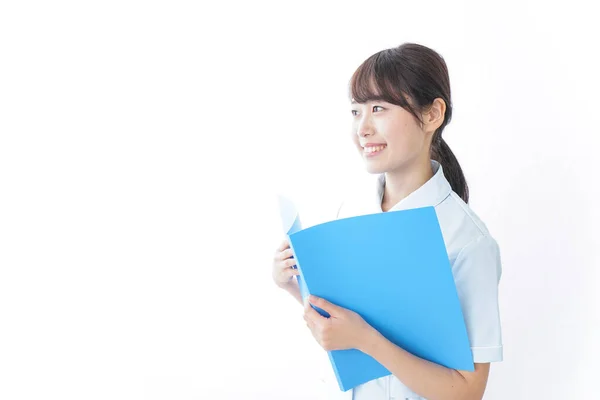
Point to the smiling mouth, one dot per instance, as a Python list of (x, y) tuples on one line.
[(373, 150)]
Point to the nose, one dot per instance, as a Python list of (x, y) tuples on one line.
[(365, 127)]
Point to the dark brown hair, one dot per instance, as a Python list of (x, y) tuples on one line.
[(412, 76)]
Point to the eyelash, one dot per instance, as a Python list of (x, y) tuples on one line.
[(352, 111)]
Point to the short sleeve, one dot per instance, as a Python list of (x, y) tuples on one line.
[(477, 270)]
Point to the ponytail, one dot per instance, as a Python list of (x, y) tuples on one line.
[(440, 152)]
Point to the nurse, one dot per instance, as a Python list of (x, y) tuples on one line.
[(400, 104)]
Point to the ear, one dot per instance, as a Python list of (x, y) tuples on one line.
[(433, 116)]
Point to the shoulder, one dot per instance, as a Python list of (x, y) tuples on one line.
[(454, 210), (482, 257), (464, 231)]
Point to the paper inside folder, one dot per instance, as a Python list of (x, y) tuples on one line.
[(290, 221)]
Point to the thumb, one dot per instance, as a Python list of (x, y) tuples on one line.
[(323, 304)]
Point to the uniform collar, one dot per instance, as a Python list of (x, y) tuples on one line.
[(431, 193)]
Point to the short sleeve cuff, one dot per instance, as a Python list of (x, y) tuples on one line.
[(487, 354)]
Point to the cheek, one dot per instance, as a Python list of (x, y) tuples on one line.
[(355, 140), (405, 139)]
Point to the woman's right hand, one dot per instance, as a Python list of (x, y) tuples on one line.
[(283, 265)]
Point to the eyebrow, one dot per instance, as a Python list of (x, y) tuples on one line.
[(376, 98)]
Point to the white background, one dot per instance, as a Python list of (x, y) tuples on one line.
[(142, 145)]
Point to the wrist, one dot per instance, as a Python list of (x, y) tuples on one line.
[(370, 341)]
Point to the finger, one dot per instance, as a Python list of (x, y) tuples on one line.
[(310, 325), (309, 322), (284, 245), (312, 314), (323, 304), (284, 255), (290, 262), (286, 265), (288, 273)]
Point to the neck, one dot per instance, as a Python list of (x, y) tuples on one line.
[(402, 182)]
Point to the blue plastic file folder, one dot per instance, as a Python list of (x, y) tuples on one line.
[(391, 268)]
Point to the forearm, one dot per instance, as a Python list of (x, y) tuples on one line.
[(428, 379)]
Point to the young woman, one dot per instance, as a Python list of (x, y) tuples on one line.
[(400, 104)]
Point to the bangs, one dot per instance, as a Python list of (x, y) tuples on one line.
[(379, 78)]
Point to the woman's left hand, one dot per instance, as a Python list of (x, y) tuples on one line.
[(345, 329)]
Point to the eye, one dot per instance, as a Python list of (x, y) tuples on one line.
[(355, 112)]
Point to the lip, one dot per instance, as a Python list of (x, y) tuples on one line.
[(375, 153), (372, 145)]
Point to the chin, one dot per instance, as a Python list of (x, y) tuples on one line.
[(374, 169)]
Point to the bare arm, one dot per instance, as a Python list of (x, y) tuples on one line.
[(428, 379)]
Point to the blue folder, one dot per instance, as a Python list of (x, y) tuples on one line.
[(392, 269)]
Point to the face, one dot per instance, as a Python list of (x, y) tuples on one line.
[(387, 136)]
